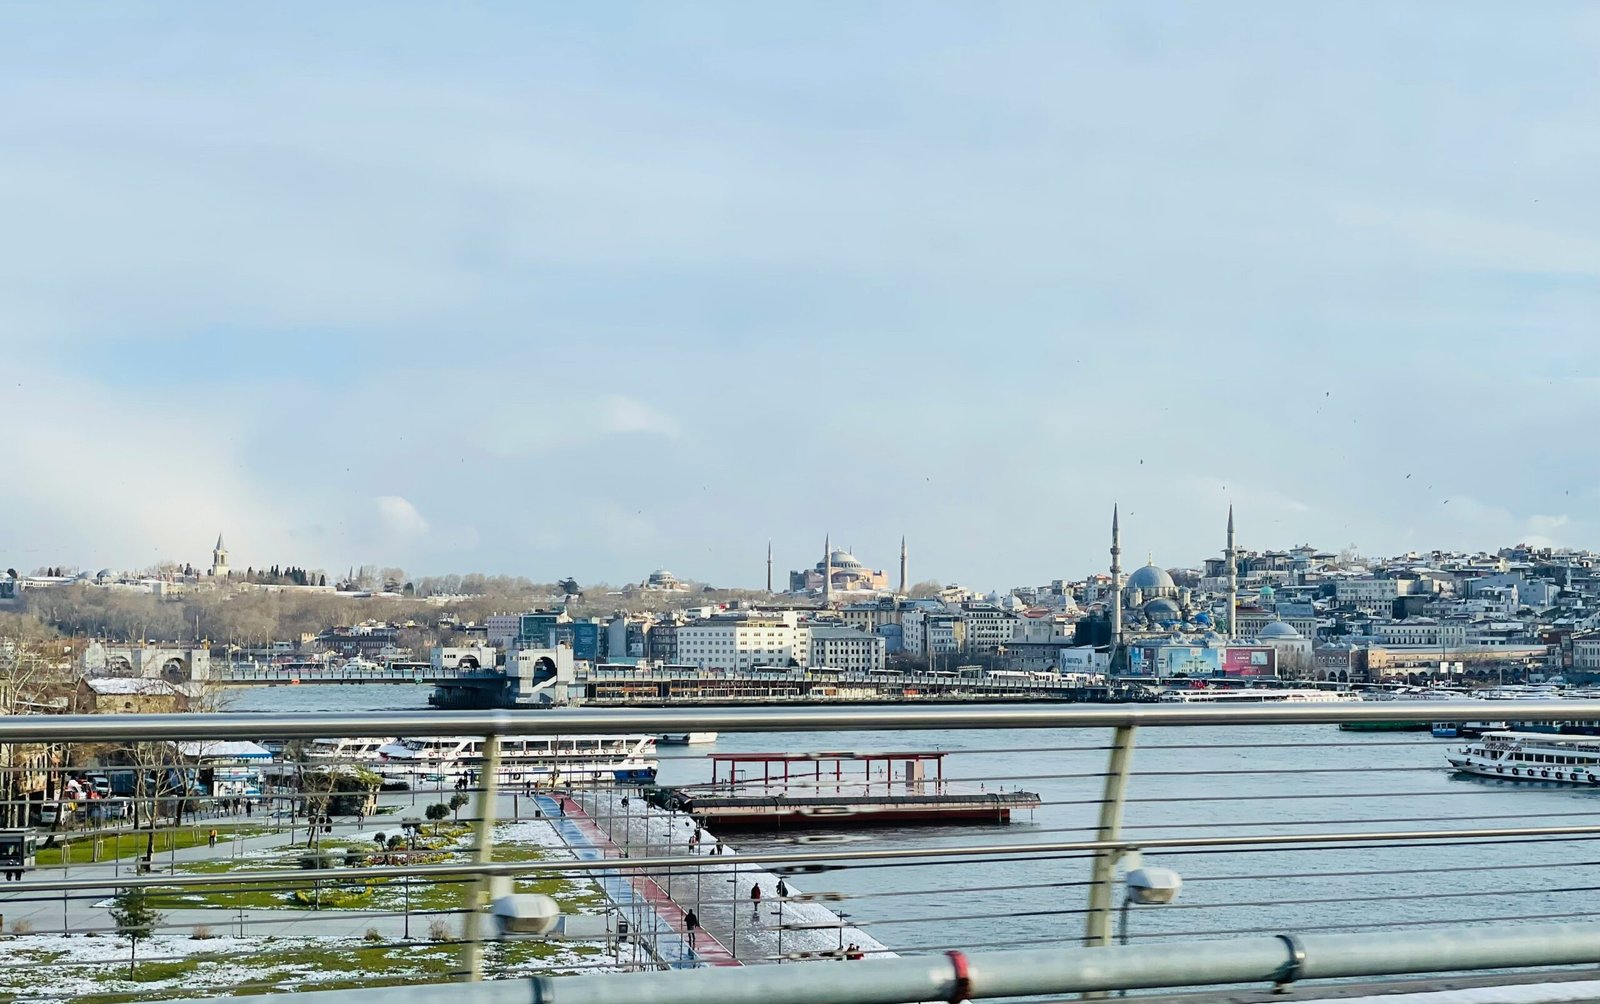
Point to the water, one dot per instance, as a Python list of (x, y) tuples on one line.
[(1257, 780)]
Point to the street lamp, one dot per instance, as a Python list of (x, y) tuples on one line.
[(1146, 887)]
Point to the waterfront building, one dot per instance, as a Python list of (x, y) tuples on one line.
[(929, 632), (847, 648), (988, 627), (744, 642)]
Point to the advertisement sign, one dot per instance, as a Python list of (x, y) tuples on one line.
[(1249, 662), (1185, 660), (1136, 663), (1077, 660)]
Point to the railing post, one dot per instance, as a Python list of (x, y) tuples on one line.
[(483, 851), (1102, 884)]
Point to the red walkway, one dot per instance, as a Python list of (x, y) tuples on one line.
[(706, 947)]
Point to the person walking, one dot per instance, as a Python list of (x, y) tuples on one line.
[(211, 838), (783, 889), (691, 925), (755, 901)]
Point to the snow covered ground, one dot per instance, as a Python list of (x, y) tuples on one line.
[(58, 968), (55, 968)]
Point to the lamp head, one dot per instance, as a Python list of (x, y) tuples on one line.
[(1153, 886)]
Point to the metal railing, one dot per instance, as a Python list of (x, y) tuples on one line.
[(1244, 828)]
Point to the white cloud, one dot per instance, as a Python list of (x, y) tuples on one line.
[(624, 414), (555, 423), (399, 520), (99, 479)]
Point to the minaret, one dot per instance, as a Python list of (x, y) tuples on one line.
[(903, 583), (827, 571), (1116, 584), (1233, 581), (769, 567)]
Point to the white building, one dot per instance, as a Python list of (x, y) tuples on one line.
[(932, 632), (848, 649), (988, 626), (743, 642), (501, 629), (1421, 632)]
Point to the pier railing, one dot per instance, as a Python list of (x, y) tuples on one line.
[(1279, 825)]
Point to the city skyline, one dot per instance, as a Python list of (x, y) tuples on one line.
[(547, 290)]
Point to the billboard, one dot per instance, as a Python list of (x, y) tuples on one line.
[(1081, 660), (1238, 661), (1136, 662), (1188, 660)]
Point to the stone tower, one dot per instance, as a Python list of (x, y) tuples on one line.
[(1116, 584), (905, 584), (219, 559), (1232, 555), (827, 570)]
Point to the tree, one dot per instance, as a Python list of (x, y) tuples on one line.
[(569, 586), (135, 918), (457, 801), (436, 812)]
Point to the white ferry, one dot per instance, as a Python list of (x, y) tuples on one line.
[(1256, 695), (1531, 756), (686, 738), (554, 760), (362, 750)]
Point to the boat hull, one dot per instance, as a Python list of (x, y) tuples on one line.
[(1574, 777)]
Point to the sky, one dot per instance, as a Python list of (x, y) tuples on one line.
[(558, 289)]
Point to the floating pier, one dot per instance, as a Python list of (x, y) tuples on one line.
[(811, 790)]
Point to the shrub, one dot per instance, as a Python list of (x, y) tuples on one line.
[(439, 930), (202, 933), (21, 927), (372, 935)]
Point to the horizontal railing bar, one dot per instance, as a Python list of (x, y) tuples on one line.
[(623, 865), (104, 728), (1032, 972)]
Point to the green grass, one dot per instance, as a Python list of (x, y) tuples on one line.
[(132, 844)]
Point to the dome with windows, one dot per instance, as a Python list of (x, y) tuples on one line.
[(1161, 610), (1152, 580), (843, 559), (1278, 630)]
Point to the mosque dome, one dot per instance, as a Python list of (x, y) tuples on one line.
[(1279, 631), (1162, 609), (1152, 580), (661, 577), (844, 559), (1211, 639)]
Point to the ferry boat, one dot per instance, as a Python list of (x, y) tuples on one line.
[(552, 760), (1255, 695), (362, 750), (686, 738), (1531, 756)]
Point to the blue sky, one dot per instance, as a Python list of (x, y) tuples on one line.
[(561, 289)]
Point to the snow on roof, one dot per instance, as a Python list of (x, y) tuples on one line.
[(130, 685)]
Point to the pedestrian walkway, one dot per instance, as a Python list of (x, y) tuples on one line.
[(665, 917)]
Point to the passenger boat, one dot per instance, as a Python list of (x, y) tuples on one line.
[(1255, 695), (686, 738), (1531, 756), (542, 760), (363, 750), (1408, 696)]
